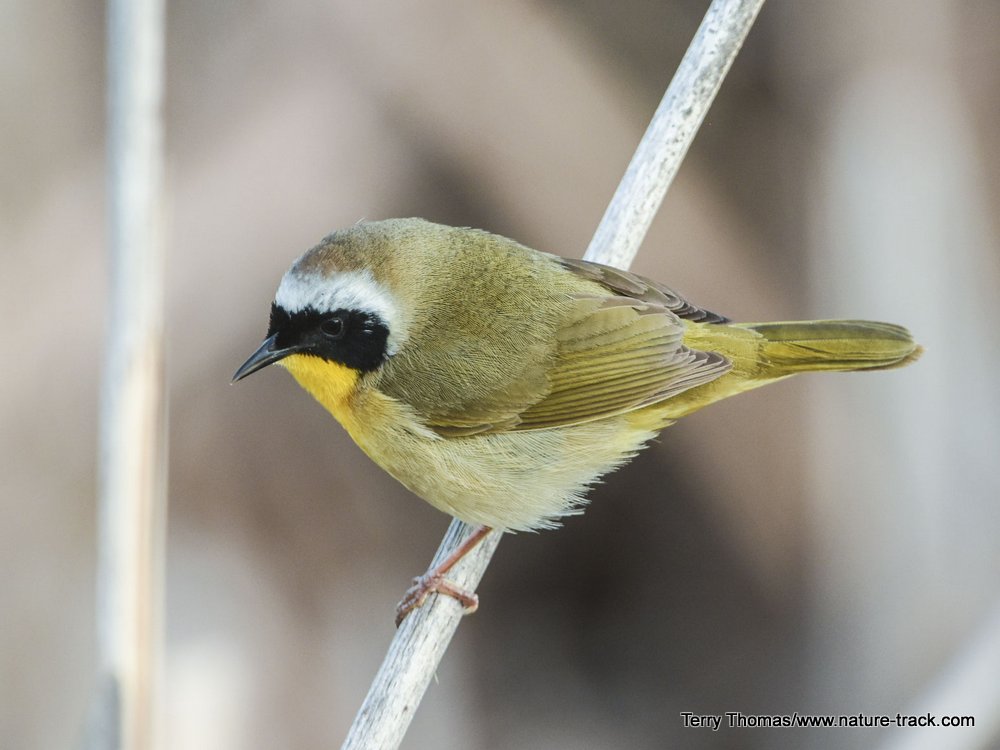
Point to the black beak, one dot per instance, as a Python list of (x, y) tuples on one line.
[(267, 354)]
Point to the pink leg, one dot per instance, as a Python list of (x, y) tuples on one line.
[(433, 580)]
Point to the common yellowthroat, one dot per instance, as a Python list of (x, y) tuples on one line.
[(498, 382)]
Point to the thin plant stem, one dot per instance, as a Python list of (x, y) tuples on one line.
[(131, 495), (420, 642)]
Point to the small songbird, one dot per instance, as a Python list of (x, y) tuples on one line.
[(498, 382)]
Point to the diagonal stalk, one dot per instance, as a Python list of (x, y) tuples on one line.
[(419, 644)]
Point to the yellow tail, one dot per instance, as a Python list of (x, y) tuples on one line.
[(762, 353), (843, 345)]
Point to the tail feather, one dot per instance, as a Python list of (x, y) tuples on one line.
[(762, 353), (834, 345)]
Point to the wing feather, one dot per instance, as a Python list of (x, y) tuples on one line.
[(618, 347), (640, 288)]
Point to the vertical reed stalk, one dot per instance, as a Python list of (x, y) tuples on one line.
[(132, 471)]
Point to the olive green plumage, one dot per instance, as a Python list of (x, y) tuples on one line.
[(512, 379), (835, 345)]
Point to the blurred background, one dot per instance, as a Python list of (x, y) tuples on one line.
[(825, 545)]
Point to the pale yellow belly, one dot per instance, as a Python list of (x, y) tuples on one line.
[(514, 480)]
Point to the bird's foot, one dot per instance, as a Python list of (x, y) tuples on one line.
[(433, 582)]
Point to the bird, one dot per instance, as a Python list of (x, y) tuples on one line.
[(499, 383)]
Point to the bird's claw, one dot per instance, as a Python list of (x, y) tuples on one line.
[(433, 583)]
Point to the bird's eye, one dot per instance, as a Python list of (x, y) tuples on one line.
[(333, 328)]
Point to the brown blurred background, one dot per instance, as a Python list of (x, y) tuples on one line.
[(824, 545)]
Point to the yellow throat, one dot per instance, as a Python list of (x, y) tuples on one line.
[(330, 383)]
